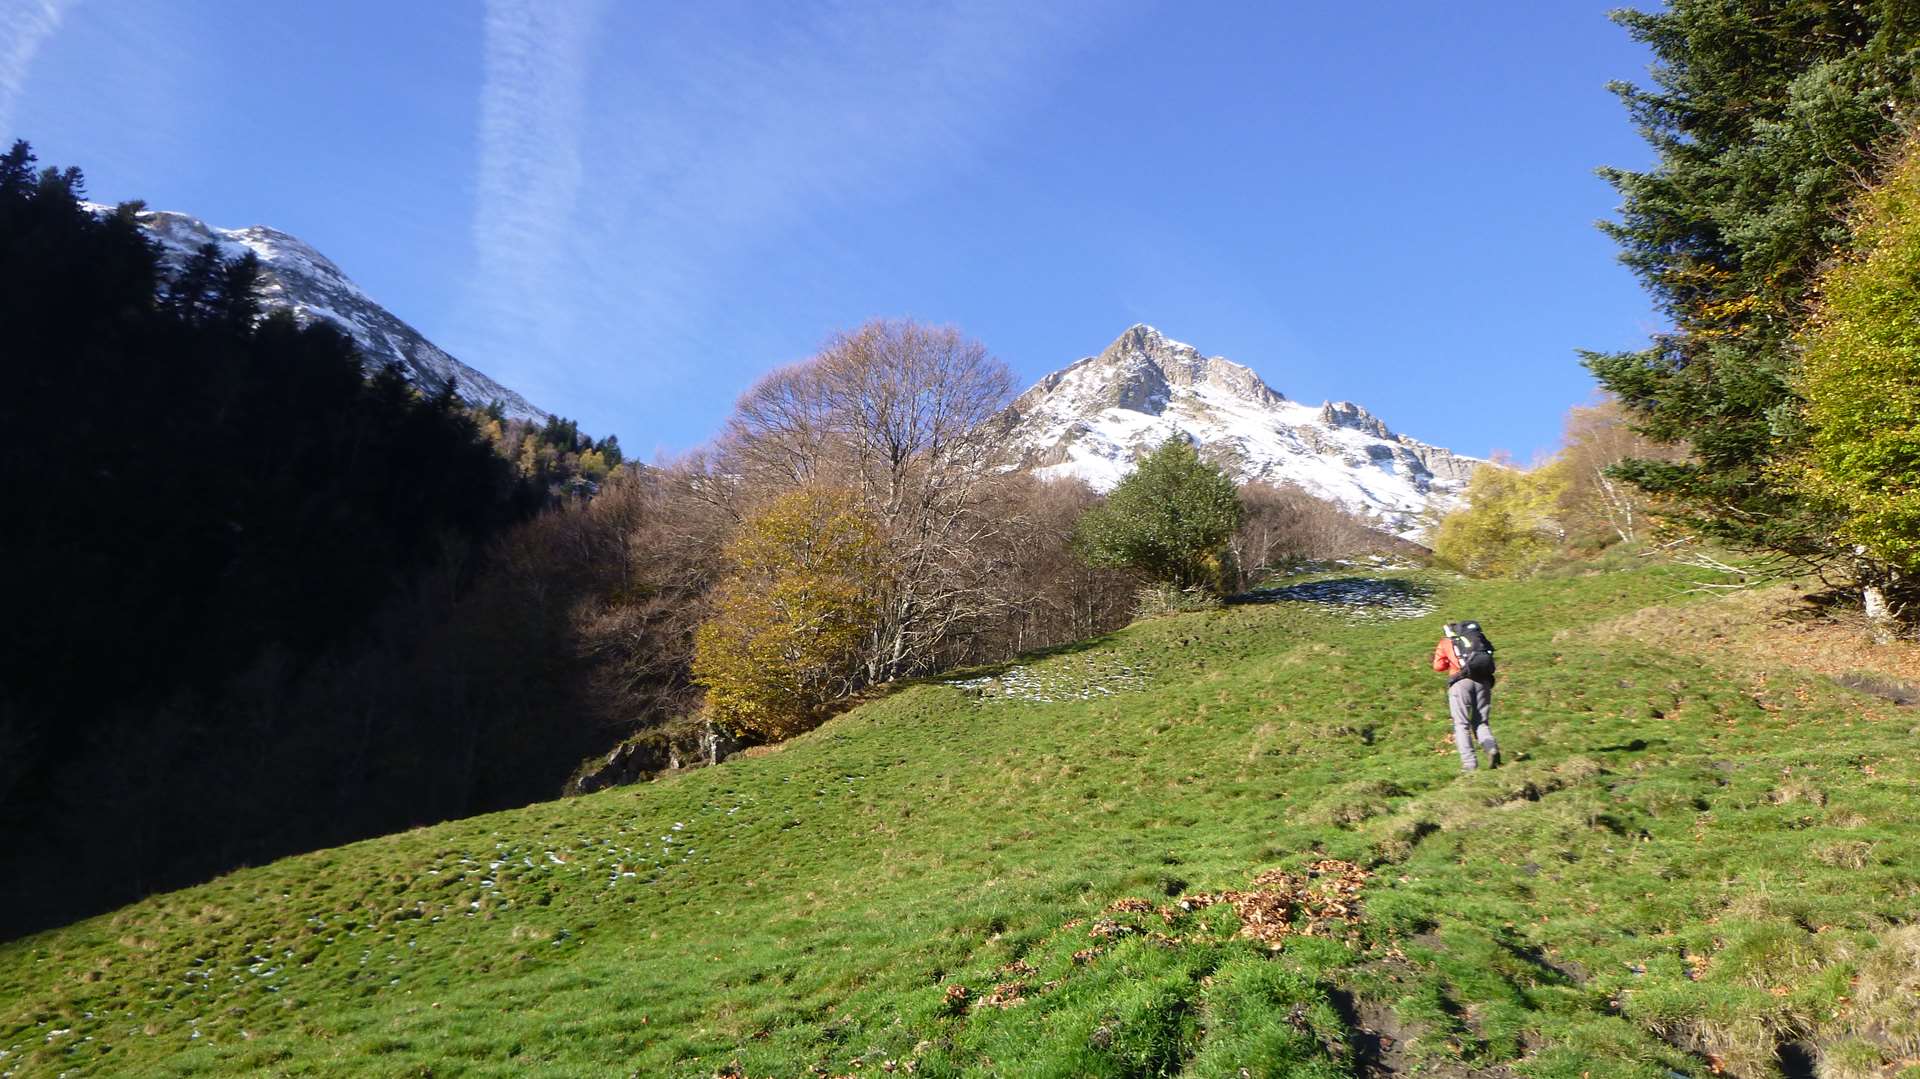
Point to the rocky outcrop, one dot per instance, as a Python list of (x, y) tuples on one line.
[(1349, 415)]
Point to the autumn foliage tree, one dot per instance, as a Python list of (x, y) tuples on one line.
[(1598, 506), (1509, 525), (1860, 379), (1765, 116), (903, 416), (784, 640)]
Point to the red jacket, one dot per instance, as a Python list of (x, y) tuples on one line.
[(1445, 659)]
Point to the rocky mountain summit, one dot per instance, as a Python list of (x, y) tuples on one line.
[(301, 279), (1095, 418)]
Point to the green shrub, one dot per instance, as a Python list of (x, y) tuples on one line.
[(1170, 521)]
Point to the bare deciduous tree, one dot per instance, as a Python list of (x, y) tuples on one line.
[(907, 415), (1284, 524), (1042, 592), (1597, 438)]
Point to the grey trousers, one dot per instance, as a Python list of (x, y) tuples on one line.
[(1471, 703)]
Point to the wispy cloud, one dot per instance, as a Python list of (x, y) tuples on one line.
[(756, 117), (24, 26), (720, 140), (531, 104), (660, 185)]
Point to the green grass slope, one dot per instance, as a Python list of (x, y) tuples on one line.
[(1681, 870)]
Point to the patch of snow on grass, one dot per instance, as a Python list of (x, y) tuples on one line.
[(1051, 683), (1362, 599)]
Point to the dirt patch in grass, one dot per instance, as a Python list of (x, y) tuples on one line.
[(1873, 685), (1383, 1044)]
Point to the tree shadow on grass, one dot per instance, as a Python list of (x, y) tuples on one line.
[(1543, 969)]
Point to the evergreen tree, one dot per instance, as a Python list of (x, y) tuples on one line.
[(609, 450), (194, 293), (222, 495), (1765, 115), (16, 170), (1169, 521), (561, 433), (237, 302)]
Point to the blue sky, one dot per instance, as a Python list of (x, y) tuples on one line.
[(629, 211)]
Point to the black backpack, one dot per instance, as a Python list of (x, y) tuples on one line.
[(1473, 649)]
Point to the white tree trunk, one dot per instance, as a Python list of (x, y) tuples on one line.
[(1873, 599)]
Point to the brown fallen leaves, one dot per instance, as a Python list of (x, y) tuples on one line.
[(956, 998), (1321, 900), (1325, 900), (1005, 995)]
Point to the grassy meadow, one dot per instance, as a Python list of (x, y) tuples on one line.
[(1692, 863)]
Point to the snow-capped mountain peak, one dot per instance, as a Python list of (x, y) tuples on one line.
[(1095, 418), (1143, 369), (299, 278)]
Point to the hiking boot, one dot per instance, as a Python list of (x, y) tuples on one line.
[(1493, 759)]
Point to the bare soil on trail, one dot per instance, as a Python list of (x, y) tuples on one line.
[(1382, 1045)]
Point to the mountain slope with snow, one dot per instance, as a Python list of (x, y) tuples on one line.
[(1095, 418), (297, 277)]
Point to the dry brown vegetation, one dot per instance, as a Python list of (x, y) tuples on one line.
[(976, 562), (1774, 626), (1284, 525)]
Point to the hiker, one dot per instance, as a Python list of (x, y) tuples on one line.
[(1465, 656)]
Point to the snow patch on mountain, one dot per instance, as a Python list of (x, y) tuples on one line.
[(297, 277), (1096, 418)]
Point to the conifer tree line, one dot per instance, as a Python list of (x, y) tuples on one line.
[(553, 456), (262, 600), (214, 512)]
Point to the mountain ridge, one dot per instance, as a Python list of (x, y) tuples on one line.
[(1098, 415), (297, 277)]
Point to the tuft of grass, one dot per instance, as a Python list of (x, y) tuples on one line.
[(1845, 853), (1798, 790), (1351, 803), (1885, 1004)]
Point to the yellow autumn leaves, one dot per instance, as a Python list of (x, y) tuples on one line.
[(788, 621)]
